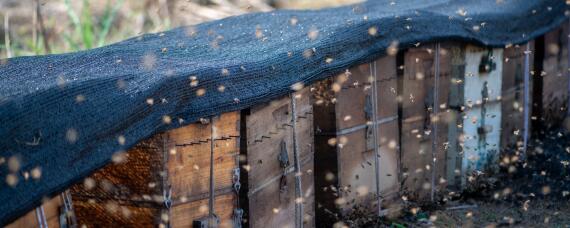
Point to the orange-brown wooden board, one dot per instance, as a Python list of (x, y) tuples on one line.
[(182, 215), (268, 126), (555, 75), (189, 169), (52, 213), (114, 214), (125, 192), (417, 119), (513, 95)]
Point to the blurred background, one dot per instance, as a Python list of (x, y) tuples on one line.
[(34, 27)]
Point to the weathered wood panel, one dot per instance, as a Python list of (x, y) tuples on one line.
[(268, 129), (345, 157), (52, 215), (481, 133), (189, 169), (182, 215), (418, 119), (455, 115), (355, 139), (512, 95), (555, 76)]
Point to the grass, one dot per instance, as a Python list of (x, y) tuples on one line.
[(87, 31), (83, 31)]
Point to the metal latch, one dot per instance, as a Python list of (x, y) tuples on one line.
[(284, 163), (487, 64), (236, 180), (368, 114)]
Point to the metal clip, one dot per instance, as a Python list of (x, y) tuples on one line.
[(283, 156), (284, 163), (167, 197), (487, 64), (236, 180), (238, 216), (369, 114)]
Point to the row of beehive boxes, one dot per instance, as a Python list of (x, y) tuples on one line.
[(480, 104)]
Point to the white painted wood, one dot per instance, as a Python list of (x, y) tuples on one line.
[(482, 119)]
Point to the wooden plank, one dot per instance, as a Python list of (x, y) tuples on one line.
[(189, 165), (513, 95), (345, 170), (268, 126), (417, 105), (555, 76), (482, 111), (183, 215), (455, 122), (52, 212)]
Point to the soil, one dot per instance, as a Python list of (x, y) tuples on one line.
[(529, 192)]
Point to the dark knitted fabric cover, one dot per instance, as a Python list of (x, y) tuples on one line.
[(65, 113)]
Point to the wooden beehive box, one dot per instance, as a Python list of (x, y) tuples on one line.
[(271, 184), (417, 120), (555, 76), (345, 141), (473, 112), (189, 170), (126, 192), (512, 95)]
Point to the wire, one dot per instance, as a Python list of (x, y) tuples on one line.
[(435, 120), (298, 188)]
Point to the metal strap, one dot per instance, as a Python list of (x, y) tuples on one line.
[(211, 216), (275, 178), (238, 212), (41, 217), (374, 98), (526, 99), (434, 146), (68, 208), (166, 188), (356, 128), (297, 164), (568, 70)]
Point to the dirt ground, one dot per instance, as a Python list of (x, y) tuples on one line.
[(540, 213), (534, 192)]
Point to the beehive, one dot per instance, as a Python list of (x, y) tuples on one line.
[(270, 162), (418, 120), (345, 156)]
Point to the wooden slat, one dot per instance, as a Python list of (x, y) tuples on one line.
[(481, 133), (513, 95), (267, 127), (555, 87)]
